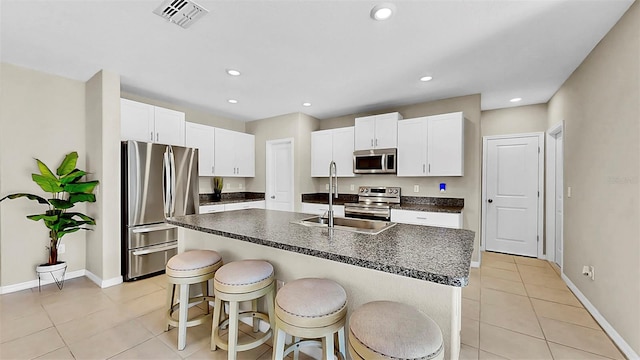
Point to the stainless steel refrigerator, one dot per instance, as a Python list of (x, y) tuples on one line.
[(158, 181)]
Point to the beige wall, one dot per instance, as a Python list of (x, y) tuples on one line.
[(600, 105), (41, 116), (192, 115), (515, 120), (103, 164), (467, 186), (297, 126)]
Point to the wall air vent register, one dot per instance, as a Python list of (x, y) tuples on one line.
[(180, 12)]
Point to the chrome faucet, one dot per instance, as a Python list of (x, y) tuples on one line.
[(333, 190)]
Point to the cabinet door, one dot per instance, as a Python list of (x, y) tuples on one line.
[(312, 208), (343, 151), (386, 130), (224, 152), (245, 155), (209, 209), (412, 147), (321, 152), (201, 137), (136, 121), (446, 145), (169, 126), (365, 132)]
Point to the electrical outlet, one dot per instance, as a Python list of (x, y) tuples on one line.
[(228, 186), (593, 272), (416, 188), (589, 271), (569, 191), (352, 187), (61, 249), (240, 186), (326, 186)]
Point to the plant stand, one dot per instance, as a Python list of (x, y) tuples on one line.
[(56, 271)]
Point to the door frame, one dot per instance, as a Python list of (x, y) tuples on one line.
[(550, 238), (269, 168), (483, 197)]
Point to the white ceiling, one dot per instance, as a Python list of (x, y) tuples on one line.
[(328, 53)]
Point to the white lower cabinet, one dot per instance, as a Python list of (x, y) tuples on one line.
[(447, 220), (208, 209), (321, 209)]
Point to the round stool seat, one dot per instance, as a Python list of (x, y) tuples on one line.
[(243, 276), (394, 330), (193, 263), (311, 302)]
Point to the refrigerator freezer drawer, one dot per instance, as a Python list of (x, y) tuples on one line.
[(149, 235), (149, 260)]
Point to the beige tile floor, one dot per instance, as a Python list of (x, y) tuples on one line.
[(513, 308), (519, 308)]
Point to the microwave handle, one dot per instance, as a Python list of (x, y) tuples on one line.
[(384, 162)]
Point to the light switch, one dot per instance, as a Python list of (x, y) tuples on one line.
[(353, 187), (416, 188), (326, 186), (569, 191)]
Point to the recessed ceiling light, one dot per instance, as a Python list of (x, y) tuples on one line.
[(233, 101), (382, 11), (515, 99), (233, 72), (426, 78), (306, 104)]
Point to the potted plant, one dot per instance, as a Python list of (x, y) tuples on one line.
[(67, 189), (217, 188)]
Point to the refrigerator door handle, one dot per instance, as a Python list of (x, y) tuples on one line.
[(172, 191), (148, 229), (155, 250), (166, 181)]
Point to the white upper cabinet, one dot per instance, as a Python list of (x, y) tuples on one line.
[(431, 146), (144, 122), (377, 131), (202, 137), (234, 154), (332, 145)]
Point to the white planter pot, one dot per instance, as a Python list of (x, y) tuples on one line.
[(56, 272)]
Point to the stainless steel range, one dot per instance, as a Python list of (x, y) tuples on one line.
[(374, 202)]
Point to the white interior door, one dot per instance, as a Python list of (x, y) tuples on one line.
[(279, 175), (512, 194), (559, 193)]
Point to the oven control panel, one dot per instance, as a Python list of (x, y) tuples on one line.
[(379, 191)]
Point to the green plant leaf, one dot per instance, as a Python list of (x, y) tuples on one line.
[(47, 184), (44, 217), (84, 187), (28, 196), (65, 232), (44, 170), (68, 164), (72, 176), (61, 204), (89, 219), (76, 198)]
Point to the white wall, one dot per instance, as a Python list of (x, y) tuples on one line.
[(41, 116), (600, 105)]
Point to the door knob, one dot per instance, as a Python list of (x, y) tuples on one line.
[(273, 196), (490, 201)]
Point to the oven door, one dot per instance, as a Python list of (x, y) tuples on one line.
[(367, 212)]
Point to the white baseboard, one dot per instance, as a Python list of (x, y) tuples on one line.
[(34, 283), (103, 283), (475, 264), (613, 334)]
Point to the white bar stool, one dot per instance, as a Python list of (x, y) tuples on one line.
[(310, 309), (235, 282), (392, 330), (185, 269)]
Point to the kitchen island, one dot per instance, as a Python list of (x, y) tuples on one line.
[(418, 265)]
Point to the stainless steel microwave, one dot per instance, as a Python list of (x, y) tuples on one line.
[(376, 161)]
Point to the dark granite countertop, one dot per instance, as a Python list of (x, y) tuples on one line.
[(435, 254), (229, 198), (415, 203)]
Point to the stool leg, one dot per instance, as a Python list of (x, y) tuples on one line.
[(171, 292), (327, 347), (205, 292), (233, 329), (256, 321), (271, 310), (296, 352), (184, 309), (341, 343), (278, 344), (215, 325)]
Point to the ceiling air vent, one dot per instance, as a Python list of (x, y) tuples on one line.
[(180, 12)]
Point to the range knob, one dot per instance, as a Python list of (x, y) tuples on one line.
[(395, 191)]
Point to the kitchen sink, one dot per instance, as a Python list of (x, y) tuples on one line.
[(362, 226)]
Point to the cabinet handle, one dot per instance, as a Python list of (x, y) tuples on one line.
[(376, 142), (157, 136), (212, 169), (423, 168), (421, 218), (371, 142), (151, 135), (429, 168)]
